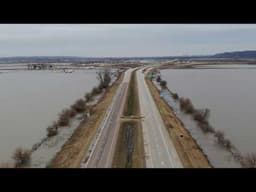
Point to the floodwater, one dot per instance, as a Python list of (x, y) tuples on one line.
[(31, 101), (227, 66), (228, 93)]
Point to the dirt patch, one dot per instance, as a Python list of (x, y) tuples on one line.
[(189, 152), (73, 151)]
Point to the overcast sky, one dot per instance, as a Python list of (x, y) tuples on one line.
[(117, 40)]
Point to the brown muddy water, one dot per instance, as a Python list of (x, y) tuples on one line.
[(32, 100), (229, 94)]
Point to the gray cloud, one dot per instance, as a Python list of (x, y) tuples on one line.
[(124, 39)]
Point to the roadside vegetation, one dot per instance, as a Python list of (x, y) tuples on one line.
[(163, 84), (201, 116), (21, 157), (52, 130), (175, 96)]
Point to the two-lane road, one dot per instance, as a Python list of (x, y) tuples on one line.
[(104, 146), (160, 151)]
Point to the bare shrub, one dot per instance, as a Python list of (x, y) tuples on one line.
[(158, 79), (52, 130), (222, 140), (21, 157), (201, 114), (104, 78), (249, 161), (97, 90), (79, 106), (88, 97), (227, 144), (64, 118), (206, 127), (182, 103), (198, 115), (163, 84), (186, 105), (175, 96), (220, 136), (72, 112)]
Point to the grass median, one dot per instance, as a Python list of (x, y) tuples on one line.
[(129, 151)]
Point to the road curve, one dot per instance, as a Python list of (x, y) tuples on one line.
[(102, 152), (159, 149)]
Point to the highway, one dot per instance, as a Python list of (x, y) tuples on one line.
[(103, 147), (159, 149)]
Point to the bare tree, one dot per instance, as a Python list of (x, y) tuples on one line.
[(104, 77), (21, 157)]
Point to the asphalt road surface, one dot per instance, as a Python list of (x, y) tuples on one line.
[(159, 149), (104, 145)]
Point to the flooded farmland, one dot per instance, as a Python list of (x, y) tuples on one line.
[(230, 95), (32, 100)]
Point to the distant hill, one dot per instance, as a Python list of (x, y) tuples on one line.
[(72, 59), (237, 55)]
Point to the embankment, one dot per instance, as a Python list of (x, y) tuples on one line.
[(189, 152), (73, 151)]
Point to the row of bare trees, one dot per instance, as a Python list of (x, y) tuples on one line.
[(201, 116), (22, 156)]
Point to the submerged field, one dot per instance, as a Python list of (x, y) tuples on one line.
[(31, 101), (228, 93)]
